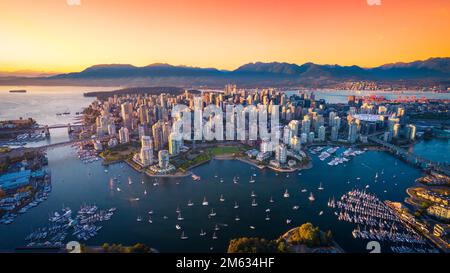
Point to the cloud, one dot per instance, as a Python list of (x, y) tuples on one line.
[(73, 2), (374, 2)]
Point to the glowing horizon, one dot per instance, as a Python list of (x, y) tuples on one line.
[(53, 36)]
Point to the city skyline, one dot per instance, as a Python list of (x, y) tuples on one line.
[(217, 34)]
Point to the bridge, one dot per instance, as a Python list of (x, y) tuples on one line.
[(412, 158)]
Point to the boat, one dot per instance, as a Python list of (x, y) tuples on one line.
[(252, 227), (214, 236), (376, 176), (145, 192), (236, 205), (222, 199), (178, 210), (311, 197), (288, 221), (254, 204), (216, 227), (155, 184), (320, 188), (367, 186), (253, 194), (195, 177), (212, 213), (179, 218), (235, 180), (202, 233), (118, 189), (204, 203), (271, 200), (221, 180), (286, 194), (150, 212), (252, 180), (267, 210), (177, 226), (304, 190), (139, 219), (295, 207), (183, 236), (190, 204), (150, 220), (321, 212), (267, 218), (129, 181), (237, 218)]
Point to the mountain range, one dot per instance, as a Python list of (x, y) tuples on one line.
[(433, 70)]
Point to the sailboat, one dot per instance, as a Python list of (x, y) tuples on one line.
[(252, 227), (205, 202), (216, 227), (183, 236), (288, 221), (321, 212), (118, 189), (296, 207), (304, 190), (145, 192), (286, 194), (237, 218), (202, 233), (178, 209), (376, 176), (221, 180), (253, 194), (177, 226), (235, 180), (179, 218), (311, 197), (142, 182), (214, 237), (320, 188), (222, 199), (212, 213), (139, 219), (150, 212), (252, 180), (150, 220), (129, 181), (190, 204), (236, 206), (267, 217), (271, 200), (254, 204)]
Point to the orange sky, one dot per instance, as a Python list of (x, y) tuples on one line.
[(50, 35)]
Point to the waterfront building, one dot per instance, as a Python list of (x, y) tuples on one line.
[(410, 132), (97, 145), (337, 123), (157, 135), (146, 156), (124, 135), (334, 133), (306, 124), (281, 153), (174, 145), (296, 143), (387, 137), (287, 134), (15, 180), (321, 134), (294, 125), (331, 117), (163, 159), (352, 132), (396, 130), (439, 211), (266, 146)]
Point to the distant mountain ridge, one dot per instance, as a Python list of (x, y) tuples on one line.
[(433, 70), (434, 67)]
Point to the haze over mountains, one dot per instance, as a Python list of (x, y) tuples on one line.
[(433, 70)]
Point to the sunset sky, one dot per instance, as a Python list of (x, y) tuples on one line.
[(63, 35)]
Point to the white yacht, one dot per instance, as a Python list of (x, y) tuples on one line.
[(190, 204), (253, 194), (311, 197), (177, 226), (205, 202), (321, 212), (271, 200), (304, 190), (202, 233), (286, 194), (222, 199), (179, 218), (145, 192), (216, 227), (295, 207), (254, 204), (129, 181), (212, 213), (118, 189), (139, 219), (320, 188), (150, 220), (252, 227), (252, 180), (237, 218), (267, 217), (214, 237), (236, 206), (288, 221)]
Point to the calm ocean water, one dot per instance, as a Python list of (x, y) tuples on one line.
[(75, 184)]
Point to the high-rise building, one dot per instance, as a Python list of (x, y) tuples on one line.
[(352, 132), (124, 135), (157, 135), (304, 138), (321, 134), (306, 125), (331, 117), (311, 137), (294, 125), (111, 129), (127, 114), (296, 144), (163, 159), (146, 156), (174, 145), (281, 153), (410, 132), (287, 134), (334, 133), (396, 130)]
